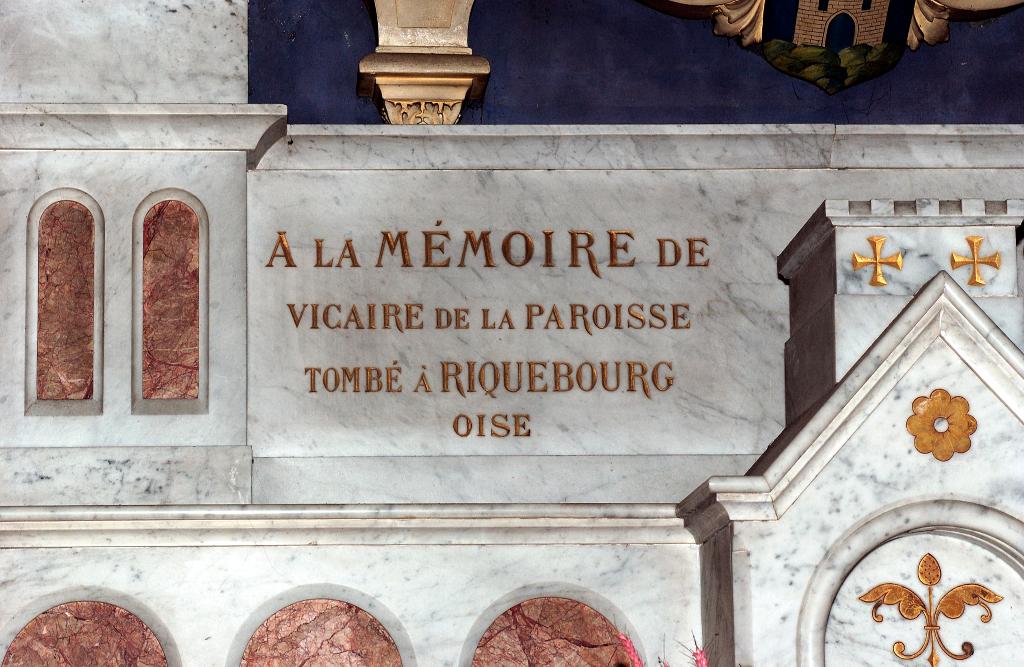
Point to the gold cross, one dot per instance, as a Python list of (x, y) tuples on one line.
[(894, 261), (959, 261)]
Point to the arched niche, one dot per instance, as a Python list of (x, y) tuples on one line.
[(550, 631), (966, 600), (170, 273), (976, 536), (64, 314), (321, 631), (85, 634)]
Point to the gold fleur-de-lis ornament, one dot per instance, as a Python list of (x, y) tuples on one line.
[(951, 605)]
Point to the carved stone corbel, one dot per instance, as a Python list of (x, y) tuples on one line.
[(423, 69)]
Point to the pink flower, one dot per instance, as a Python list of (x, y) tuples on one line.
[(700, 658), (627, 644)]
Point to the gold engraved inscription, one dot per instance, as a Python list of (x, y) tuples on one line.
[(600, 254)]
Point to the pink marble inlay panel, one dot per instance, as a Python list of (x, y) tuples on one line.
[(550, 632), (170, 302), (67, 272), (321, 633), (85, 634)]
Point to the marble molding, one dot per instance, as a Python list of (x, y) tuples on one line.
[(83, 634), (252, 128), (74, 51), (513, 478)]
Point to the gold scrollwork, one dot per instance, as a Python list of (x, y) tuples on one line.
[(911, 606)]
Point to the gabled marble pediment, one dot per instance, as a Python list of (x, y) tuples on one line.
[(910, 464), (942, 325)]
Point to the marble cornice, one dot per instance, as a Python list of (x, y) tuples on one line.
[(647, 147), (252, 128), (280, 525)]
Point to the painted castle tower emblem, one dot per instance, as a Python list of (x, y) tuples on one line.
[(835, 44)]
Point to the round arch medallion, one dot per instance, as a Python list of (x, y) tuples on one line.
[(85, 634), (550, 632), (321, 633)]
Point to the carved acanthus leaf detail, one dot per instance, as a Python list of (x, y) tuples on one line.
[(422, 112)]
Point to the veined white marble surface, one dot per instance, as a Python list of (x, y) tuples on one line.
[(434, 599), (853, 639), (119, 182), (487, 479), (132, 52), (926, 251), (878, 469), (735, 312), (862, 318), (728, 396), (124, 475)]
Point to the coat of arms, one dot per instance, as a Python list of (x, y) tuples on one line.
[(834, 44)]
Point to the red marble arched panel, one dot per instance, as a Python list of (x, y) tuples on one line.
[(170, 302), (551, 632), (321, 633), (85, 634), (66, 283)]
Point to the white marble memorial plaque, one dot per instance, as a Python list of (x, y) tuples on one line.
[(497, 313)]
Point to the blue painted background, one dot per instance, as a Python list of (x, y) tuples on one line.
[(618, 61)]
